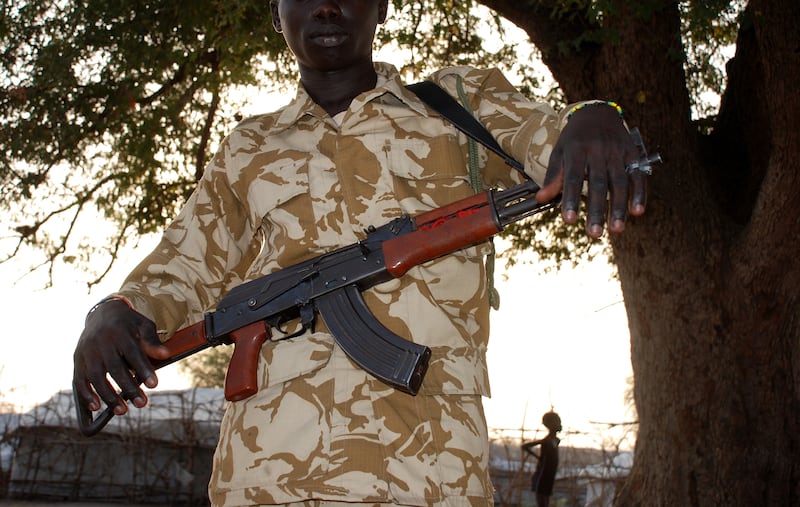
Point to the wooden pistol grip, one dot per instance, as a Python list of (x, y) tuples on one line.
[(242, 379)]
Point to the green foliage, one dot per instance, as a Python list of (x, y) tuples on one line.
[(112, 108), (208, 368), (709, 27), (430, 34)]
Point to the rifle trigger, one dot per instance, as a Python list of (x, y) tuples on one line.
[(305, 323), (308, 317)]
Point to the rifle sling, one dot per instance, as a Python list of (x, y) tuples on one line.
[(444, 104)]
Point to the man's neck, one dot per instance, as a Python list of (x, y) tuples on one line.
[(335, 90)]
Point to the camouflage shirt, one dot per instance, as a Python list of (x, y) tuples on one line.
[(286, 186)]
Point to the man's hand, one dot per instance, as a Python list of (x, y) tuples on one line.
[(117, 340), (596, 147)]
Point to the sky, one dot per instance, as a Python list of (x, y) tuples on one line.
[(560, 340)]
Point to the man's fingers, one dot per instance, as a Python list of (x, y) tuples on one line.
[(106, 391), (549, 191), (91, 382), (596, 206), (153, 349), (574, 173), (638, 200), (619, 186), (85, 393), (129, 388)]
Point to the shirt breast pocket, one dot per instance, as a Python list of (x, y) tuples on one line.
[(427, 173), (287, 223)]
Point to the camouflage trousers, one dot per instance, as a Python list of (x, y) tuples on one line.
[(336, 436)]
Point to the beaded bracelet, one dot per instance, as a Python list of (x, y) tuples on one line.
[(609, 103)]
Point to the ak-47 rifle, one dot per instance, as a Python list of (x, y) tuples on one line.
[(330, 285)]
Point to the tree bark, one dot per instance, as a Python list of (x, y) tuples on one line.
[(710, 274)]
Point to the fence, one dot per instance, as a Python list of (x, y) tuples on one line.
[(163, 455)]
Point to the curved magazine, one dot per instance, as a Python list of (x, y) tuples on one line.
[(398, 362)]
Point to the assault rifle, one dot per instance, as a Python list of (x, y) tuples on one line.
[(330, 285)]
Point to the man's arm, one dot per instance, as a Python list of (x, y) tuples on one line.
[(528, 447), (202, 253)]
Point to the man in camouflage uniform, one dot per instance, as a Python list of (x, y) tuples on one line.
[(353, 149)]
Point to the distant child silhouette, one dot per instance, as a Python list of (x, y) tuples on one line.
[(545, 474)]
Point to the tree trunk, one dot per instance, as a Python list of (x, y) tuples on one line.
[(711, 273)]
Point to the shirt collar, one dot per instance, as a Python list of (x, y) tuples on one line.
[(389, 88)]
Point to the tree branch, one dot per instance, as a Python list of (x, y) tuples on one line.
[(27, 232), (736, 152), (559, 33), (205, 137)]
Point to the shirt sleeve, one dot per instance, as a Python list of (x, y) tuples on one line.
[(205, 251), (526, 129)]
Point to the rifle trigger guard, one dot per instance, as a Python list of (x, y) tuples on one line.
[(307, 319)]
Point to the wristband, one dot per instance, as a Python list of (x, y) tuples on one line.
[(106, 299)]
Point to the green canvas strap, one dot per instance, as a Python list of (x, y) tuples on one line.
[(462, 116), (477, 185), (475, 179)]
